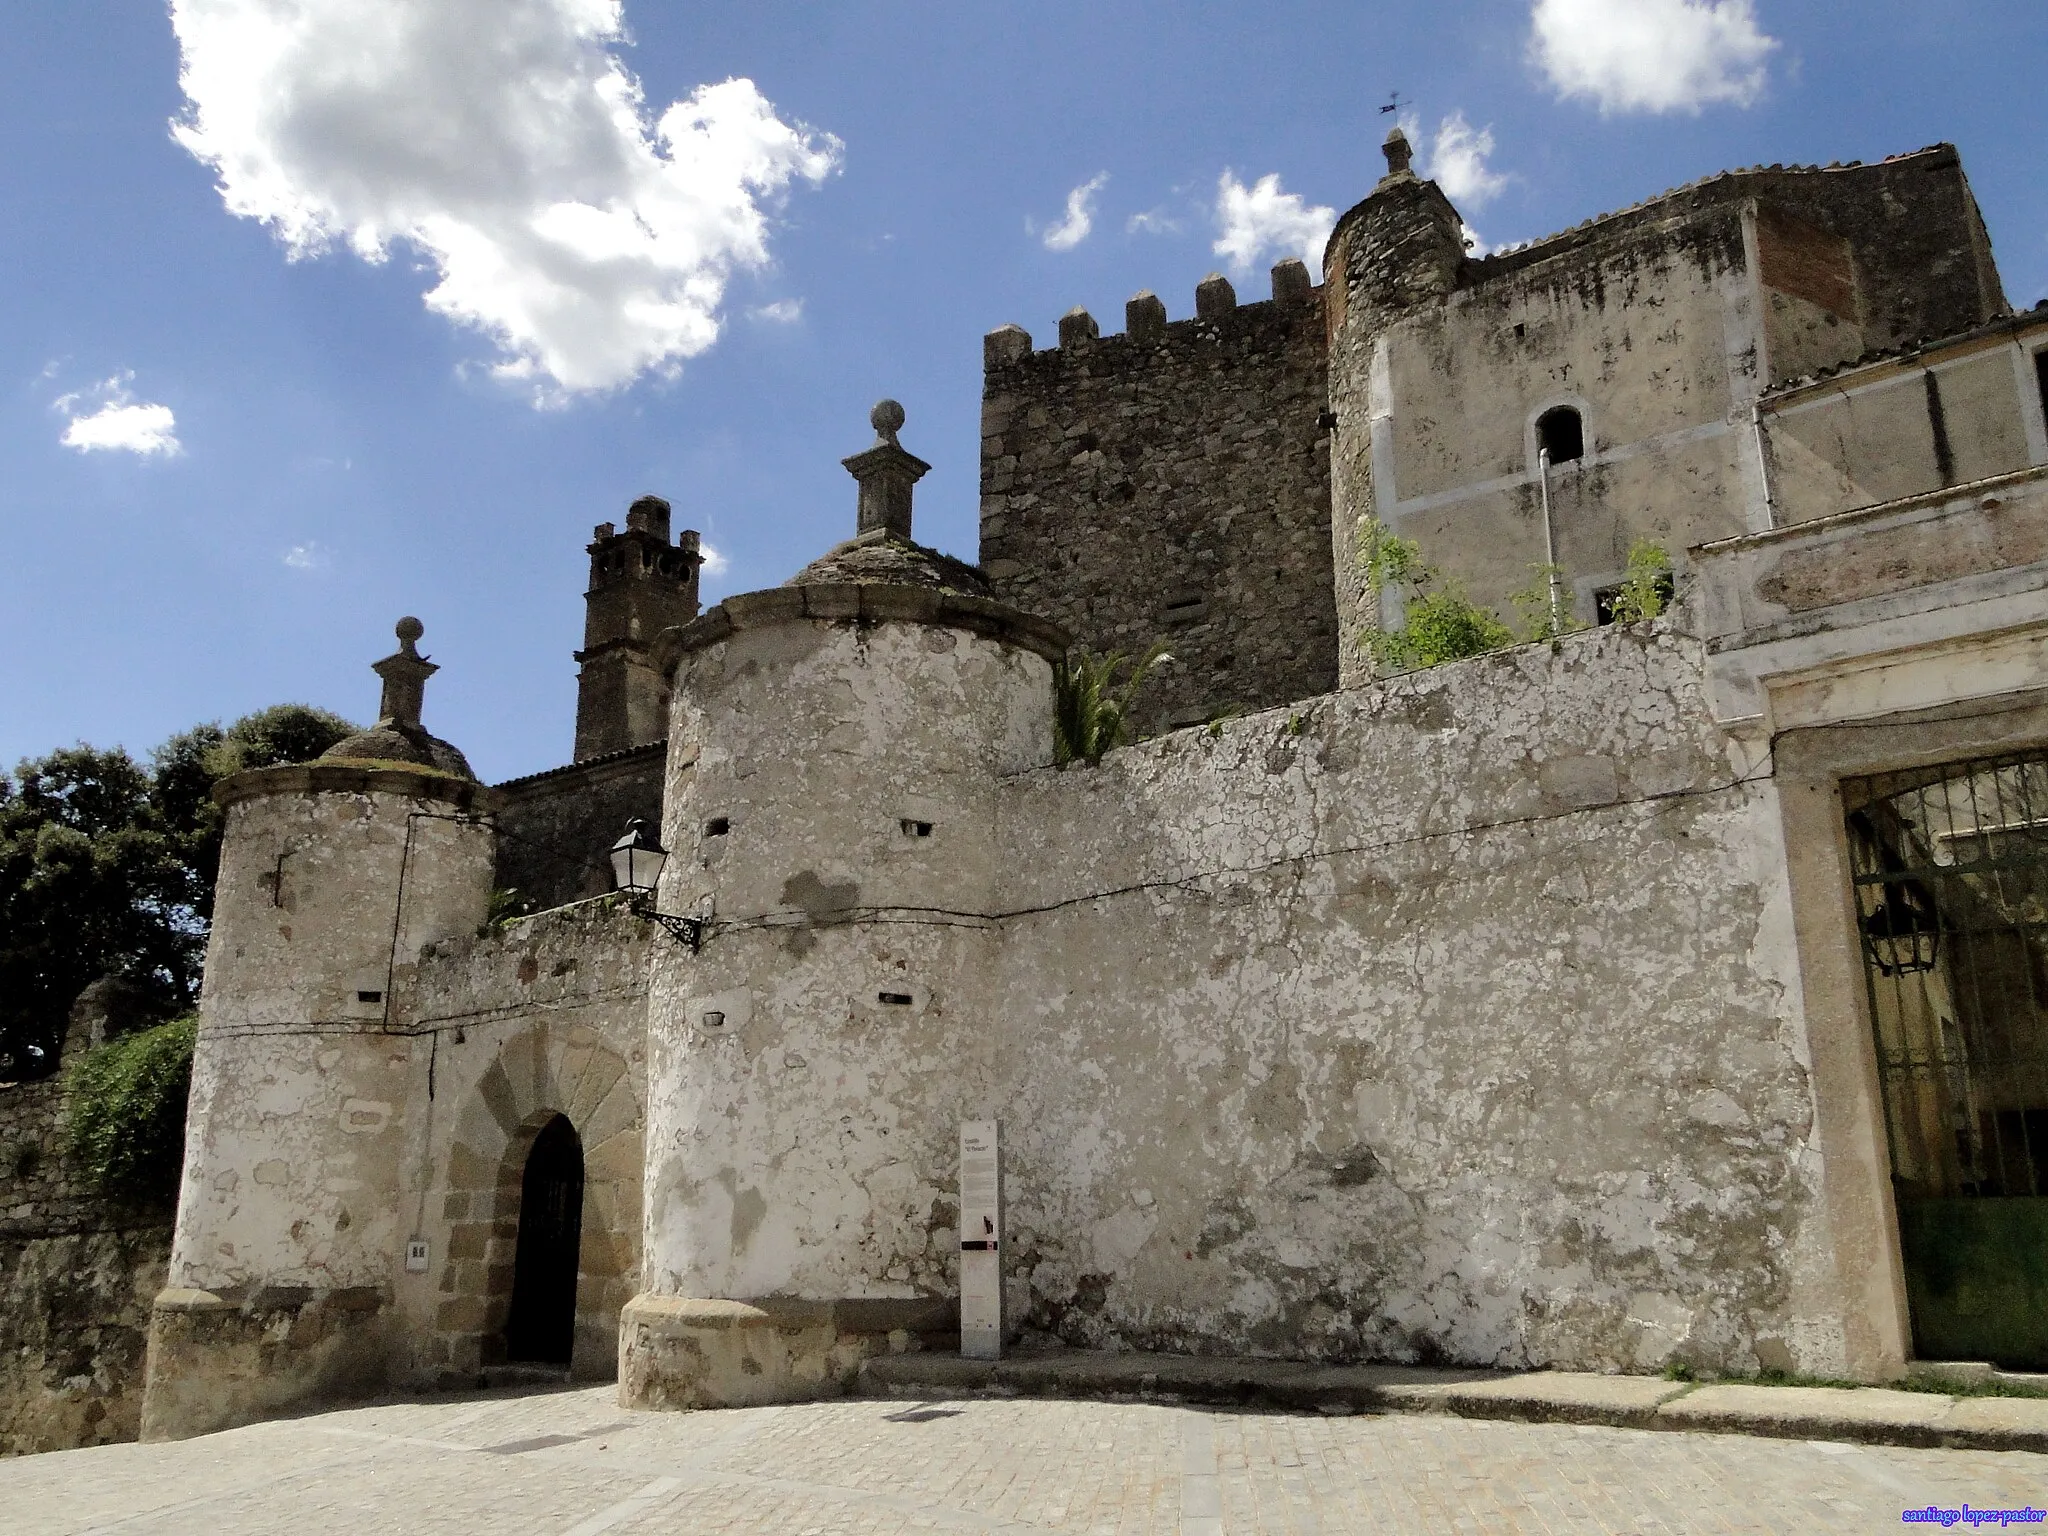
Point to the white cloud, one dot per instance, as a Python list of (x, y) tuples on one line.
[(1651, 55), (1262, 219), (590, 238), (781, 312), (120, 423), (715, 563), (1154, 221), (306, 557), (1456, 162), (1079, 221)]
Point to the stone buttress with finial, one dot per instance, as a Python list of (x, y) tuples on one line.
[(398, 736), (882, 551)]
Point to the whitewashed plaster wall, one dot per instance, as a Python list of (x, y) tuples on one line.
[(299, 1095), (1449, 1019), (1454, 1018), (802, 1124), (289, 1234)]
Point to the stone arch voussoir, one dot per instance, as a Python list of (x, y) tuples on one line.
[(541, 1071)]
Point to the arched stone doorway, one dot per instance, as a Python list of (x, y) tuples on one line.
[(542, 1324), (520, 1085)]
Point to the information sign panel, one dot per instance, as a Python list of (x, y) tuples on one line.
[(981, 1238)]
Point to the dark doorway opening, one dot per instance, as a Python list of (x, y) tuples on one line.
[(542, 1326)]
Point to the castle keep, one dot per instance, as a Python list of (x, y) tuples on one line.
[(1667, 992)]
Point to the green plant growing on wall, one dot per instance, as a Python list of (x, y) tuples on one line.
[(506, 907), (1647, 589), (1440, 622), (124, 1109), (1091, 710), (1388, 560), (1542, 607)]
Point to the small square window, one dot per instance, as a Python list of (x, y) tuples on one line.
[(1605, 598), (369, 997), (717, 826), (895, 999), (916, 828)]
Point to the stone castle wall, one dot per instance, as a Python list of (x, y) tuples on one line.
[(1172, 484), (1452, 1019), (546, 1016), (77, 1274), (333, 881)]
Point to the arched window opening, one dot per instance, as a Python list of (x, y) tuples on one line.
[(1561, 434), (542, 1327)]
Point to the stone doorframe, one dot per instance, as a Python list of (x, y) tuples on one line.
[(540, 1071), (1868, 1279)]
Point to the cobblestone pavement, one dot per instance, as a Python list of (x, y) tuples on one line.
[(572, 1463)]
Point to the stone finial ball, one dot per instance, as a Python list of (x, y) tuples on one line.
[(410, 629), (886, 417)]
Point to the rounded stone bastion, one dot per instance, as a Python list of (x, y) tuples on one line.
[(834, 753), (291, 1227)]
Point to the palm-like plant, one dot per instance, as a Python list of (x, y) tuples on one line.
[(1091, 710)]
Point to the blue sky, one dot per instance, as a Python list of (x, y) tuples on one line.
[(712, 315)]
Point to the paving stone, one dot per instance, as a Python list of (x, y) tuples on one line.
[(573, 1463)]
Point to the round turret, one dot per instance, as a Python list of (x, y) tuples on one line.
[(835, 746), (333, 876)]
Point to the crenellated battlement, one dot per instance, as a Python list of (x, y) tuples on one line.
[(1146, 324)]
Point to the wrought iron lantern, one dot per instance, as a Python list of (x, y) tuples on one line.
[(637, 860), (1901, 934)]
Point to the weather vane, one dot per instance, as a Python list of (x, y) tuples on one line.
[(1394, 103)]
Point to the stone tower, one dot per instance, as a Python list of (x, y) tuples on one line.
[(334, 875), (640, 584), (835, 749), (1399, 248)]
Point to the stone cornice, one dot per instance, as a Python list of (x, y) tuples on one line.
[(412, 781), (865, 604)]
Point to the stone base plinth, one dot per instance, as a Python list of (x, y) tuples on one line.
[(218, 1359), (688, 1352)]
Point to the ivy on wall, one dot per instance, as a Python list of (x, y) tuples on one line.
[(124, 1111)]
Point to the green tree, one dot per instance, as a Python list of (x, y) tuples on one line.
[(107, 867)]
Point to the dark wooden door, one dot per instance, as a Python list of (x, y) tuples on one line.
[(543, 1321)]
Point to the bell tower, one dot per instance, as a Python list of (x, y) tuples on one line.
[(640, 584)]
